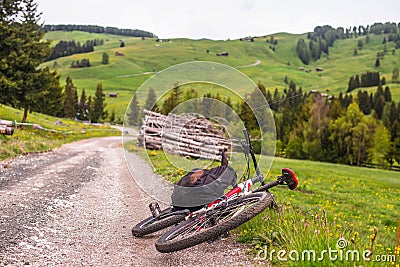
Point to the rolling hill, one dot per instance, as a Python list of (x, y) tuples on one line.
[(260, 60)]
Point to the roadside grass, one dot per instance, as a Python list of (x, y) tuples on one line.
[(331, 202), (59, 131)]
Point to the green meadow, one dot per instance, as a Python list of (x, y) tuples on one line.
[(332, 202), (125, 74)]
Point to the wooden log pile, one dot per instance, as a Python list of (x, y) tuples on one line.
[(190, 135)]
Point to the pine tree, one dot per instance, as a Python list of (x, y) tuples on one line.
[(393, 114), (105, 59), (379, 106), (134, 112), (354, 82), (172, 101), (247, 116), (363, 102), (379, 92), (82, 106), (228, 109), (276, 100), (302, 51), (70, 100), (262, 88), (395, 75), (360, 44), (387, 94), (98, 112), (383, 80), (89, 107), (49, 101), (151, 100), (377, 63), (371, 99), (315, 50)]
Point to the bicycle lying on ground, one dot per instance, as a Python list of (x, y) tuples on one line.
[(198, 224)]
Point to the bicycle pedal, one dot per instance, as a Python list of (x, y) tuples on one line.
[(155, 209)]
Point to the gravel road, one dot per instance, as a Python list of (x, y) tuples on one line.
[(76, 206)]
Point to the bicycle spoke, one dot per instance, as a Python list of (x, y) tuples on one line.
[(217, 216)]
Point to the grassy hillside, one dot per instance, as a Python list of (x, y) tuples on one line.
[(126, 73), (57, 132)]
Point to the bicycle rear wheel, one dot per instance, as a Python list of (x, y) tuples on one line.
[(152, 224), (212, 224)]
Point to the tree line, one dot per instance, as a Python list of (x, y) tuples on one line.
[(68, 48), (84, 63), (337, 129), (84, 108), (98, 29), (346, 129), (324, 37), (368, 79)]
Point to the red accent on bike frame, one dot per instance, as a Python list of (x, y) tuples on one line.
[(232, 192), (293, 176)]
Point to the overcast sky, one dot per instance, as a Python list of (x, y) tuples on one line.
[(219, 19)]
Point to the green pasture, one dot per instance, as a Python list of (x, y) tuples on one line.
[(125, 74)]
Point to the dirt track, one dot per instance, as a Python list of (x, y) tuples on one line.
[(75, 206)]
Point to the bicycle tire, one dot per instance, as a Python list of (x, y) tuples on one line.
[(170, 241), (151, 224)]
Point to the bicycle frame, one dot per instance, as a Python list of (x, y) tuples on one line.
[(244, 187), (240, 192)]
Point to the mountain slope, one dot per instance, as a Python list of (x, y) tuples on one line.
[(126, 73)]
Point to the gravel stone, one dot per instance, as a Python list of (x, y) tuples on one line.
[(76, 205)]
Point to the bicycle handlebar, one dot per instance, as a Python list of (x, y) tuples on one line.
[(267, 186)]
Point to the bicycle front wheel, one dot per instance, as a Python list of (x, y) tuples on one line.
[(151, 224), (212, 224)]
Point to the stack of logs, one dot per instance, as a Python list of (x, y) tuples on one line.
[(6, 127), (190, 135)]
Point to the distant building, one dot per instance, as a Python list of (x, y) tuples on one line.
[(223, 54), (113, 94)]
